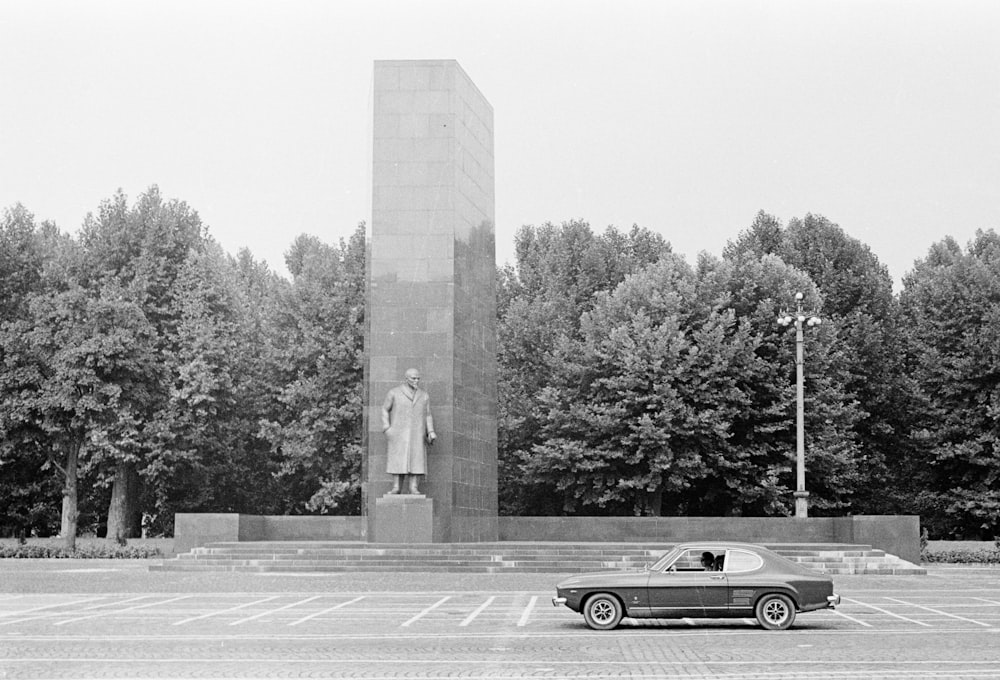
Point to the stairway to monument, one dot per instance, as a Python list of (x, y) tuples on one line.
[(496, 558)]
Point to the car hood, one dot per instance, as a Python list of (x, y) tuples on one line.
[(598, 578)]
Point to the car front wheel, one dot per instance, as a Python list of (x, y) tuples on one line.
[(602, 611), (775, 612)]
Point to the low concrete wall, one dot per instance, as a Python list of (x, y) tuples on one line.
[(193, 529), (895, 534)]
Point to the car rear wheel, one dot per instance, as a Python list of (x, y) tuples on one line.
[(602, 611), (775, 611)]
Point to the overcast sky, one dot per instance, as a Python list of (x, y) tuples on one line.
[(683, 117)]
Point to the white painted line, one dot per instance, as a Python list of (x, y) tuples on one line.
[(120, 611), (889, 613), (851, 618), (426, 611), (85, 609), (274, 611), (108, 604), (223, 611), (938, 611), (325, 611), (983, 599), (477, 611), (526, 614), (48, 606)]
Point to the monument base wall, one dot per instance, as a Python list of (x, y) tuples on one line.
[(404, 519), (895, 534), (194, 529)]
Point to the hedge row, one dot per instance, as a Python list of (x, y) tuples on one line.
[(94, 551), (960, 556)]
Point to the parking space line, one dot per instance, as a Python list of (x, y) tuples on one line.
[(477, 611), (224, 611), (85, 609), (851, 618), (120, 611), (48, 606), (426, 611), (273, 611), (888, 613), (327, 610), (938, 611), (523, 621), (983, 599)]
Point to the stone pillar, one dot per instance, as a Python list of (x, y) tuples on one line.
[(431, 271)]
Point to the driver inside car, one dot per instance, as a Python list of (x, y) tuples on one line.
[(708, 561)]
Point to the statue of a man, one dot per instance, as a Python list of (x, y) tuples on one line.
[(408, 426)]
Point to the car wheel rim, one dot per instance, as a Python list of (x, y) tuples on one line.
[(775, 611), (602, 611)]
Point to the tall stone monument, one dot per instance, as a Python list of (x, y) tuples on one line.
[(432, 303)]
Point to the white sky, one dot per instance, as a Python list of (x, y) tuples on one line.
[(684, 117)]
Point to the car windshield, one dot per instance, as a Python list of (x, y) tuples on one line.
[(664, 560)]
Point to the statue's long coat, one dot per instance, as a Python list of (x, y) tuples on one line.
[(406, 421)]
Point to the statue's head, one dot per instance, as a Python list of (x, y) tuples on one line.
[(413, 378)]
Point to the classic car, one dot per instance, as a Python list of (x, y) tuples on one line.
[(701, 580)]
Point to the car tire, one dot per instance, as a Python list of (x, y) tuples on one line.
[(602, 611), (775, 611)]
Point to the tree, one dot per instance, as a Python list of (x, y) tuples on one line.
[(676, 399), (318, 365), (634, 412), (951, 311), (540, 300), (140, 250), (74, 381), (857, 301), (20, 261), (23, 494)]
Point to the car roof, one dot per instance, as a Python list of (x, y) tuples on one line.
[(719, 544)]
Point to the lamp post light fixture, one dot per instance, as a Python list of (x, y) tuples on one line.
[(799, 318)]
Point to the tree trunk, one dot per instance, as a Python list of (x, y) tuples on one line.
[(654, 502), (70, 515), (122, 515)]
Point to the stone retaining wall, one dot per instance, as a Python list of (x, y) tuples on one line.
[(895, 534)]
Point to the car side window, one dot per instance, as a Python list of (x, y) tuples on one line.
[(692, 561), (739, 560)]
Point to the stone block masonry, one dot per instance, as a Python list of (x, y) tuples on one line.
[(431, 298)]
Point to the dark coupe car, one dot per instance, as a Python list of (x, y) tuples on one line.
[(701, 580)]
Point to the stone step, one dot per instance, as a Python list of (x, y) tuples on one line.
[(498, 557)]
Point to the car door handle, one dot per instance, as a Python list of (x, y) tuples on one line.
[(717, 578)]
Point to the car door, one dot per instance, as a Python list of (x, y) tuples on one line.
[(684, 588)]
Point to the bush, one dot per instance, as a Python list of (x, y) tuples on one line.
[(102, 550), (962, 556)]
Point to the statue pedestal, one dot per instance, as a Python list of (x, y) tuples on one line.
[(404, 518)]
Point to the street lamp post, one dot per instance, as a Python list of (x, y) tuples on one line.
[(800, 319)]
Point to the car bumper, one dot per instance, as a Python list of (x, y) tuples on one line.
[(832, 600), (557, 601)]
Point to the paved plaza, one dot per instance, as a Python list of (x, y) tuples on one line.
[(114, 619)]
